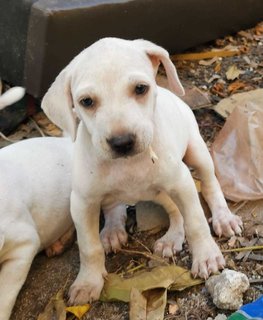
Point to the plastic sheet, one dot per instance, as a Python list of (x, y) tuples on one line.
[(238, 154), (251, 311)]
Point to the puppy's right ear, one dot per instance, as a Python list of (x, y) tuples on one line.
[(58, 104)]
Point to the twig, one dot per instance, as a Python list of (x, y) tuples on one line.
[(37, 127), (146, 254), (255, 280), (239, 206), (140, 243), (243, 249), (7, 139)]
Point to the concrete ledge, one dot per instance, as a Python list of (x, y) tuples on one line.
[(59, 29)]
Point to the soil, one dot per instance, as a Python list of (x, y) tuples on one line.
[(48, 275)]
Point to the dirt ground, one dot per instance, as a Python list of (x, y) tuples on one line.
[(47, 276)]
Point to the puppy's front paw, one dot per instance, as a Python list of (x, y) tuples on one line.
[(113, 238), (82, 292), (227, 224), (170, 243), (207, 258)]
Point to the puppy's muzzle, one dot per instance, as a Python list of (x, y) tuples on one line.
[(122, 145)]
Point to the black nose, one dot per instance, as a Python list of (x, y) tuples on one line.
[(123, 144)]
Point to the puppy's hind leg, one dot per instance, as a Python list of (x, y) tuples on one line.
[(172, 241), (197, 156), (15, 267), (113, 235), (64, 242)]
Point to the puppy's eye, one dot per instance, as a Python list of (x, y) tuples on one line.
[(141, 89), (87, 102)]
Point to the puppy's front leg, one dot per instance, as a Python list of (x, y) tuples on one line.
[(90, 280), (207, 257), (197, 156)]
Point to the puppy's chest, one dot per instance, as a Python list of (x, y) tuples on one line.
[(132, 183)]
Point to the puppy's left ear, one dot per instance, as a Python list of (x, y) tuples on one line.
[(158, 54)]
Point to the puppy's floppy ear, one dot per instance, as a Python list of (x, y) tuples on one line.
[(58, 104), (158, 54)]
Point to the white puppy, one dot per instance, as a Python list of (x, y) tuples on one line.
[(133, 142), (35, 186)]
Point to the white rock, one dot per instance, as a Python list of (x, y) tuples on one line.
[(227, 289), (220, 316)]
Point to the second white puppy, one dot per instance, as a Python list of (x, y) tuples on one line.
[(35, 184)]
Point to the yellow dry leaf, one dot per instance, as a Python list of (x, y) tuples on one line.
[(233, 72), (79, 311), (169, 277), (206, 54)]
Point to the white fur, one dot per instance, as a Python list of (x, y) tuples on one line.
[(11, 96), (35, 184), (108, 72)]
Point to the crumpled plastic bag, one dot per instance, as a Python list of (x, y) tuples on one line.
[(250, 311), (238, 153)]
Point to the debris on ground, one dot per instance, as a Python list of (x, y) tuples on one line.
[(223, 68), (227, 289)]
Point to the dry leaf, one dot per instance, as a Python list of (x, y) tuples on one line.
[(208, 62), (233, 72), (218, 67), (79, 311), (237, 85), (196, 98), (218, 89), (55, 309), (149, 305), (259, 29), (226, 106), (138, 305), (206, 54), (171, 277)]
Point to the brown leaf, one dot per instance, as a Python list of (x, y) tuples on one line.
[(55, 309), (138, 305), (171, 277), (218, 88), (259, 29), (235, 86)]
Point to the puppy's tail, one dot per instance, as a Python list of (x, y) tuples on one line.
[(11, 96)]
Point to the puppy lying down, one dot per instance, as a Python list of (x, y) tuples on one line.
[(35, 184)]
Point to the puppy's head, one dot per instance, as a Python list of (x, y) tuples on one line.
[(111, 85)]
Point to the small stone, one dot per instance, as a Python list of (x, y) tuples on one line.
[(220, 316), (227, 289)]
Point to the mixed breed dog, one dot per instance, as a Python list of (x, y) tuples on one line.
[(132, 141)]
